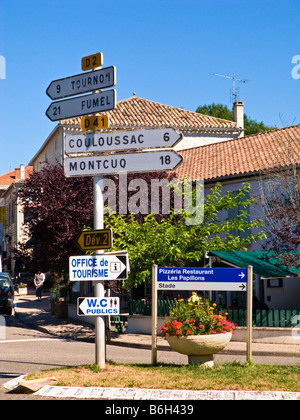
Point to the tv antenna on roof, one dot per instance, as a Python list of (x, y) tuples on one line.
[(234, 90)]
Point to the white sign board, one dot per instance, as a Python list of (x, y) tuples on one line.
[(127, 140), (112, 164), (82, 105), (98, 267), (82, 83), (95, 306)]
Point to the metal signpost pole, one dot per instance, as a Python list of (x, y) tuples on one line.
[(99, 285), (154, 315), (249, 311)]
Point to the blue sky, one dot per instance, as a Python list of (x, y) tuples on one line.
[(164, 50)]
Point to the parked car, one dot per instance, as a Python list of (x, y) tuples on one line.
[(6, 294)]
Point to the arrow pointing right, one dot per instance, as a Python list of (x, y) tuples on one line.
[(242, 286), (130, 162), (117, 141)]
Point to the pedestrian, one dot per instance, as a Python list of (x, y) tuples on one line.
[(39, 279)]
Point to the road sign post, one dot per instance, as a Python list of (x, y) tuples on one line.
[(69, 108), (99, 291), (154, 315), (249, 311)]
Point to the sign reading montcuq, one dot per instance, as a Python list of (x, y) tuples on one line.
[(134, 162)]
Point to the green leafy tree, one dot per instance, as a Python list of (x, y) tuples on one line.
[(222, 111), (170, 242)]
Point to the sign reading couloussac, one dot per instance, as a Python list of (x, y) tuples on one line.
[(160, 160), (99, 142)]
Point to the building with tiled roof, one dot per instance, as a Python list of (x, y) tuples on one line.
[(213, 150), (241, 157), (12, 216), (138, 113), (7, 179), (265, 160)]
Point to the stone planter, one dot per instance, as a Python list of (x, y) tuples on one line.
[(200, 349), (22, 290)]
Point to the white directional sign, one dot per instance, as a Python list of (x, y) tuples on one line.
[(133, 162), (82, 83), (82, 105), (95, 306), (98, 267), (127, 140)]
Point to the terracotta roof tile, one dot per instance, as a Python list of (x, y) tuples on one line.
[(138, 112), (10, 177), (244, 155)]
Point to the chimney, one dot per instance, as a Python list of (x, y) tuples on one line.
[(17, 173), (238, 115), (22, 171)]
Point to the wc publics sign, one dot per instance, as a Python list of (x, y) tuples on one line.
[(96, 306)]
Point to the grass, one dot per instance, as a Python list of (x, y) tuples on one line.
[(231, 376)]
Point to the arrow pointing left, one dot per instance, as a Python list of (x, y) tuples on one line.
[(95, 306), (83, 105)]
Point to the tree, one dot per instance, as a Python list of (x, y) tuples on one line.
[(222, 111), (56, 208), (280, 197), (170, 242)]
